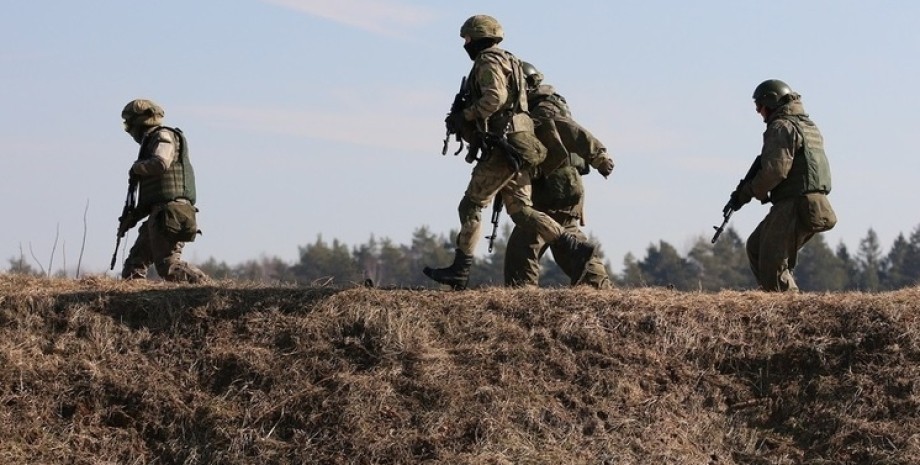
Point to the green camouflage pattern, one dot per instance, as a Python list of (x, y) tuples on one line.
[(482, 27)]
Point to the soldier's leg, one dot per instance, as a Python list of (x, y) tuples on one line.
[(595, 274), (775, 240), (140, 257), (167, 258), (517, 199), (522, 258), (488, 177)]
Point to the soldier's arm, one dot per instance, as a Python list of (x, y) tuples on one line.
[(492, 79), (779, 144), (164, 154)]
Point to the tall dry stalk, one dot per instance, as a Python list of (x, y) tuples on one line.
[(83, 245)]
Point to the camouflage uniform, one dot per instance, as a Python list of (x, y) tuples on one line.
[(498, 106), (795, 177), (559, 192), (166, 197)]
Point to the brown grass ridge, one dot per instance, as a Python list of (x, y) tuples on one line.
[(99, 371)]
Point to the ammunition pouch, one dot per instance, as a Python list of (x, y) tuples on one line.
[(815, 213), (177, 220)]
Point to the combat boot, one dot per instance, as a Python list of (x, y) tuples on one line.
[(580, 252), (456, 275)]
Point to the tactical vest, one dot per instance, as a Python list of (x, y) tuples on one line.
[(810, 170), (512, 116), (178, 181)]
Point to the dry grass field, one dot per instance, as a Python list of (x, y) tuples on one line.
[(99, 371)]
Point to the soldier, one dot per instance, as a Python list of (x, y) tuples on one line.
[(794, 175), (166, 183), (559, 191), (496, 121)]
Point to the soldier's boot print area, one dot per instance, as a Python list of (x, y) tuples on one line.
[(456, 275)]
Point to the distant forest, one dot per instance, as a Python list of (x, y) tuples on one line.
[(705, 267)]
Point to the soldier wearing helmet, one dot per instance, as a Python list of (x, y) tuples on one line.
[(510, 153), (166, 197), (558, 190), (794, 175)]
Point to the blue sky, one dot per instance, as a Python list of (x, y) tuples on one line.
[(314, 117)]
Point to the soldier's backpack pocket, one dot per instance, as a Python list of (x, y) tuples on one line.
[(815, 213), (179, 221)]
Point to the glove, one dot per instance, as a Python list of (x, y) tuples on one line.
[(605, 166), (454, 122), (741, 196)]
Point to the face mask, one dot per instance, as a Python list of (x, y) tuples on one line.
[(474, 47)]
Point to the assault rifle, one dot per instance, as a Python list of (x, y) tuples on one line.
[(125, 221), (493, 141), (459, 103), (730, 207), (496, 214)]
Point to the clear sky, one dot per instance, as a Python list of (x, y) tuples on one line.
[(321, 117)]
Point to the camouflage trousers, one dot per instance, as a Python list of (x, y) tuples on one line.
[(525, 249), (154, 247), (495, 176), (774, 245)]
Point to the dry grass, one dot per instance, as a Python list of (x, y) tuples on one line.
[(108, 372)]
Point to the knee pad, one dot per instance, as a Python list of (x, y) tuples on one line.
[(469, 211)]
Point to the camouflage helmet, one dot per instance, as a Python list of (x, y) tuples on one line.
[(142, 112), (532, 74), (482, 27), (770, 93)]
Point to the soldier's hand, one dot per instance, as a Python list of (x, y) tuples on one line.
[(740, 197), (454, 122), (605, 167)]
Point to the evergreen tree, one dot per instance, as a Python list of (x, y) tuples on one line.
[(663, 266), (395, 266), (632, 274), (868, 262), (895, 265), (911, 267), (321, 264), (215, 269), (818, 269), (849, 267), (723, 265)]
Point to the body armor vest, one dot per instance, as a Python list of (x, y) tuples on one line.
[(810, 170), (512, 116), (177, 182)]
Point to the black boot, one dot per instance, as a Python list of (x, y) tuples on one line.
[(580, 252), (456, 275)]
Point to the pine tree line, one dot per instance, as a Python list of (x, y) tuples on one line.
[(705, 267)]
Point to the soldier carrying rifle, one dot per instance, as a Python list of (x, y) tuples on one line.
[(165, 183), (792, 173), (496, 120)]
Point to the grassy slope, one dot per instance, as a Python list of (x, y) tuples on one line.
[(101, 371)]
